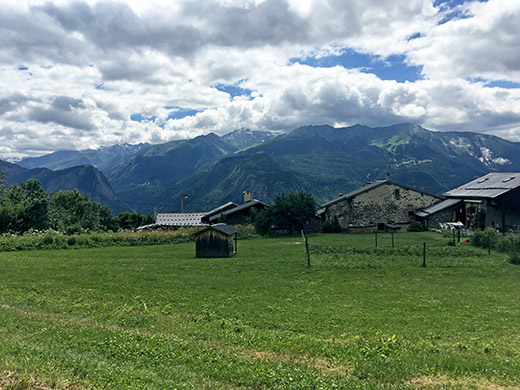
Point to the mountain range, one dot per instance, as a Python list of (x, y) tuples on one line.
[(210, 170)]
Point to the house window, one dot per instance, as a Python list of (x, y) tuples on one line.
[(396, 193), (411, 214)]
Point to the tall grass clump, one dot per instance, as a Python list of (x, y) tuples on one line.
[(52, 239)]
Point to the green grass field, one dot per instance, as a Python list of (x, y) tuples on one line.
[(158, 318)]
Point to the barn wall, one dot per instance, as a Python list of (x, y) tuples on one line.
[(448, 215), (380, 204)]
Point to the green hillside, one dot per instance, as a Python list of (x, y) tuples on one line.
[(228, 178), (145, 179), (86, 179)]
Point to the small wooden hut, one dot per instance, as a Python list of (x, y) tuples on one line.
[(216, 241)]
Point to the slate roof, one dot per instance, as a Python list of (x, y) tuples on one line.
[(221, 227), (237, 209), (490, 186), (369, 187), (445, 204), (355, 193)]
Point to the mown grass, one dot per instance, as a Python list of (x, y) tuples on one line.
[(158, 318)]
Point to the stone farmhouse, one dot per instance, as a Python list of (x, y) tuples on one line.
[(376, 205)]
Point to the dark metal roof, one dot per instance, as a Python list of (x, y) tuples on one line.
[(491, 186), (221, 227), (369, 187), (219, 209), (437, 207), (237, 209)]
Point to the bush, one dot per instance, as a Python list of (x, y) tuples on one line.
[(515, 258), (509, 243), (331, 226), (487, 238), (416, 227)]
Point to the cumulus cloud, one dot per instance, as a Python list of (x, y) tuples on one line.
[(79, 71)]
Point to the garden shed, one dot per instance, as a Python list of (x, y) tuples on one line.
[(219, 240)]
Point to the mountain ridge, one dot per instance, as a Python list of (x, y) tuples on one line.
[(320, 159)]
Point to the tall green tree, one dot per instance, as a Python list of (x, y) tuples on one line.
[(23, 206), (72, 212), (290, 211)]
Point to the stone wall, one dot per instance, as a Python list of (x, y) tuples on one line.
[(388, 203)]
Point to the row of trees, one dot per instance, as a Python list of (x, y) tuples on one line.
[(27, 206)]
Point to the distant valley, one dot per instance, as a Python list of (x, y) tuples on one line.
[(323, 160)]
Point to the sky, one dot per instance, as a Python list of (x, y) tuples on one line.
[(87, 73)]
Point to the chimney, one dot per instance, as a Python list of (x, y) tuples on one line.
[(388, 176), (247, 196), (340, 194)]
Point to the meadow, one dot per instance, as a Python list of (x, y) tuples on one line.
[(156, 317)]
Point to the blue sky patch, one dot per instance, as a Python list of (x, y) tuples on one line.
[(100, 86), (234, 90), (392, 68), (494, 84), (141, 118), (414, 36), (181, 112), (23, 68), (452, 12)]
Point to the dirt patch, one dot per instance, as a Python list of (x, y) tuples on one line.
[(11, 381), (443, 382), (318, 363)]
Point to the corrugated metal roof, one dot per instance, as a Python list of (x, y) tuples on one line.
[(239, 208), (221, 227), (491, 185), (179, 219), (438, 207)]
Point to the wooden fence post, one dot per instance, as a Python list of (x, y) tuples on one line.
[(376, 237), (307, 249), (424, 255), (392, 238)]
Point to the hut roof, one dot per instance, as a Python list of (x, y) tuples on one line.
[(221, 227)]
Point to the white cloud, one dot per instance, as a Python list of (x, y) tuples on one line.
[(74, 72)]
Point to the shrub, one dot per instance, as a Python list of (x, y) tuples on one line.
[(416, 227), (331, 226), (515, 258)]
